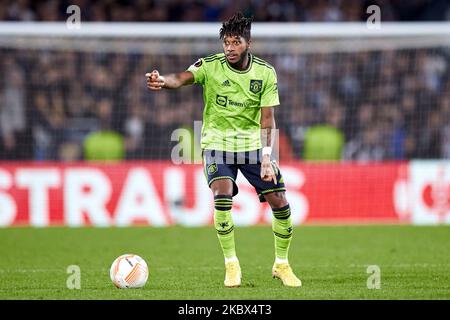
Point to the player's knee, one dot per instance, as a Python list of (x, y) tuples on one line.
[(222, 187), (277, 200)]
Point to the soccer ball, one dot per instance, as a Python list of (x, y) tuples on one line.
[(129, 271)]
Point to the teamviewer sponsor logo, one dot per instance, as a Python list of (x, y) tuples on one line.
[(221, 100)]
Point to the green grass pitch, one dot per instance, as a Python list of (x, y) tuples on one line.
[(186, 263)]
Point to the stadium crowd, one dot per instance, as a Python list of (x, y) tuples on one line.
[(387, 105), (220, 10), (399, 109)]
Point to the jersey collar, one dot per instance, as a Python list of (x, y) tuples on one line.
[(250, 64)]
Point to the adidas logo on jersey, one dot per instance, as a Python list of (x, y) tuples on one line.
[(226, 83)]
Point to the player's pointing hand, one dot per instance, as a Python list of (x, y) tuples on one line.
[(267, 170), (154, 80)]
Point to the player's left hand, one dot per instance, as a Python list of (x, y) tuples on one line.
[(267, 170)]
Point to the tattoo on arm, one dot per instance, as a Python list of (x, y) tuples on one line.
[(266, 137), (176, 80), (267, 126)]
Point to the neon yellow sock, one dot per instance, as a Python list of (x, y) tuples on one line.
[(282, 230), (223, 223)]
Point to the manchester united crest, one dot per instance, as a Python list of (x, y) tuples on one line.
[(255, 86)]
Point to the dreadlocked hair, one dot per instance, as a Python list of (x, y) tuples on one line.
[(238, 25)]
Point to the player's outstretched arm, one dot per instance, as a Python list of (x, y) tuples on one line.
[(171, 81)]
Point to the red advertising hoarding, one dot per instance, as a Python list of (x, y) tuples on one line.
[(159, 193)]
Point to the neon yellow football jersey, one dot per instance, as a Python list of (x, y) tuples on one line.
[(233, 101)]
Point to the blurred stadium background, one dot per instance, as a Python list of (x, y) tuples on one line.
[(364, 118)]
